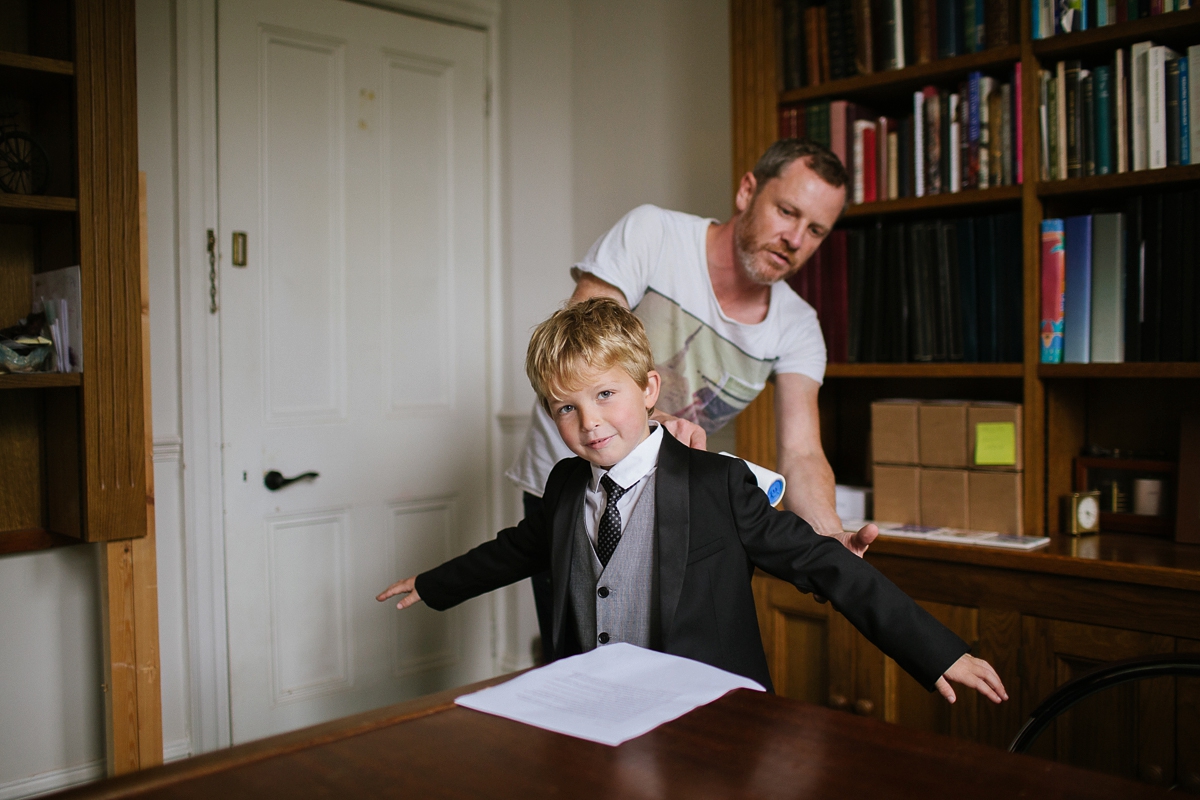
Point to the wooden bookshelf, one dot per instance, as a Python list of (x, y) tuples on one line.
[(944, 70), (939, 370), (972, 198), (1171, 28), (1063, 410), (40, 380), (24, 61), (22, 207), (1123, 182), (1149, 369)]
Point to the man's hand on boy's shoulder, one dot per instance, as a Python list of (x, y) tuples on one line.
[(406, 587), (689, 433), (973, 672)]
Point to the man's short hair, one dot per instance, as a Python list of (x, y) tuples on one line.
[(820, 159), (592, 336)]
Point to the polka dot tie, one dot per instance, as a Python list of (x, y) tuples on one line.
[(609, 533)]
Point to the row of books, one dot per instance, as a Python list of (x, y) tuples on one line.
[(824, 40), (1052, 17), (1132, 113), (940, 290), (966, 139), (1122, 286)]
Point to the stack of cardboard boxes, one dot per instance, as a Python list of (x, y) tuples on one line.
[(948, 463)]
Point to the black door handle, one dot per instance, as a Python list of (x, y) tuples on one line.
[(275, 481)]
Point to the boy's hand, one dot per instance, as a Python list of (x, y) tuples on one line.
[(408, 588), (976, 673), (689, 433), (858, 541)]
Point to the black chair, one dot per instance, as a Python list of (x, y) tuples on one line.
[(1070, 693)]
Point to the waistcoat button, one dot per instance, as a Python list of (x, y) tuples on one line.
[(602, 591), (603, 638)]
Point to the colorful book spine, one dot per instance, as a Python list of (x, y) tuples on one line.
[(1077, 295), (1053, 291)]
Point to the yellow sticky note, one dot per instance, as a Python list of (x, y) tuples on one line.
[(995, 444)]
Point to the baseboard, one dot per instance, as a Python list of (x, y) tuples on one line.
[(52, 781)]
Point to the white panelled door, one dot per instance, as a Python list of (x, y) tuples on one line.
[(353, 157)]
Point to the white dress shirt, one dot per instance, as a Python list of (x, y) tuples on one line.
[(627, 472)]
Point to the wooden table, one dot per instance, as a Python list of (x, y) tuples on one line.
[(747, 744)]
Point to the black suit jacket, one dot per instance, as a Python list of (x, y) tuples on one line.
[(714, 526)]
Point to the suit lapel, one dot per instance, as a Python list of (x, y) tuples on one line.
[(671, 506), (566, 512)]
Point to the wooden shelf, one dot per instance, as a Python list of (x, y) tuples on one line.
[(910, 205), (939, 370), (24, 207), (23, 61), (915, 77), (1161, 369), (1123, 182), (1172, 27), (27, 541), (40, 380)]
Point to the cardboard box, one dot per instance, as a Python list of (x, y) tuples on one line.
[(894, 432), (853, 502), (995, 501), (944, 498), (943, 434), (898, 494), (996, 418)]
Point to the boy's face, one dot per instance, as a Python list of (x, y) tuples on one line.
[(605, 418)]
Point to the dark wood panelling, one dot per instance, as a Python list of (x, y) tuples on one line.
[(114, 471)]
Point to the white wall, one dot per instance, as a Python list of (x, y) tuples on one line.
[(604, 105)]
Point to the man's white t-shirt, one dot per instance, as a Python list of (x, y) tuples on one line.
[(711, 366)]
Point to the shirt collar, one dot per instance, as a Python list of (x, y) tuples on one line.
[(635, 466)]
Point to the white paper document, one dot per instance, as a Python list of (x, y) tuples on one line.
[(611, 695)]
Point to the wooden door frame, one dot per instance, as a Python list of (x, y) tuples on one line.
[(200, 370)]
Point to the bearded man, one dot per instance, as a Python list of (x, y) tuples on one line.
[(721, 321)]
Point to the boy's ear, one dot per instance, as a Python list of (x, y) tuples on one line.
[(653, 384)]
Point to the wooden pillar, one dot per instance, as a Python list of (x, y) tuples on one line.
[(754, 86), (129, 599)]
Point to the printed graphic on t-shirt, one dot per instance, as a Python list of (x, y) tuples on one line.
[(706, 379)]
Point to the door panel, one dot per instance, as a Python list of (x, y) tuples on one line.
[(352, 155)]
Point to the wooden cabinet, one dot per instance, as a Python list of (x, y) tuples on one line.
[(1041, 619), (816, 655), (72, 445)]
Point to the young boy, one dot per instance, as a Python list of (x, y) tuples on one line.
[(653, 543)]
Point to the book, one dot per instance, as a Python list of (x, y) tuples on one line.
[(949, 24), (1139, 55), (1170, 279), (1151, 276), (1007, 151), (1156, 102), (1103, 121), (967, 289), (1077, 297), (813, 44), (985, 132), (1121, 110), (918, 144), (1053, 291), (792, 33), (893, 163), (1073, 121), (856, 291), (1171, 115), (952, 143), (1009, 253), (1060, 113), (974, 129), (1193, 55), (988, 289), (933, 141), (1185, 111), (924, 34), (1135, 278), (1018, 106), (1087, 123), (995, 123), (1002, 23), (921, 315), (1108, 288), (864, 37), (950, 291)]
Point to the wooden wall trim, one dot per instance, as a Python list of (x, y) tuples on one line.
[(106, 88)]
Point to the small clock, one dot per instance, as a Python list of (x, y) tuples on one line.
[(1081, 512)]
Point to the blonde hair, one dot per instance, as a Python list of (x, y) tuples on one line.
[(592, 336)]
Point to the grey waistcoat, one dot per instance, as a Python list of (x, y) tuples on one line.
[(629, 612)]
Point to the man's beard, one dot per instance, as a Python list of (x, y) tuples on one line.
[(745, 250)]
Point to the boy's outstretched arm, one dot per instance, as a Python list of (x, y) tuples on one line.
[(973, 672), (408, 588)]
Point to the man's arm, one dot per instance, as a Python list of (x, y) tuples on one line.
[(588, 286), (810, 493)]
